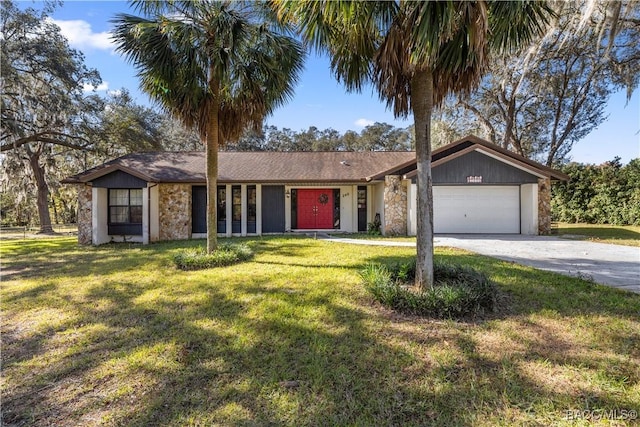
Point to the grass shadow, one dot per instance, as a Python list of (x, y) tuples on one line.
[(138, 342)]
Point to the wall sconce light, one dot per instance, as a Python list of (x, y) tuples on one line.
[(287, 193)]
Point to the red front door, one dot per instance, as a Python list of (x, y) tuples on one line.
[(315, 209)]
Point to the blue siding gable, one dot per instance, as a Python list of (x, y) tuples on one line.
[(118, 179), (476, 164)]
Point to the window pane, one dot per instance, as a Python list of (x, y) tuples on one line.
[(222, 203), (236, 212), (362, 198), (136, 214), (136, 197), (251, 203), (118, 197), (119, 214)]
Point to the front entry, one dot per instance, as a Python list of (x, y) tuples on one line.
[(315, 209)]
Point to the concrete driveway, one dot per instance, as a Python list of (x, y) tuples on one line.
[(613, 265)]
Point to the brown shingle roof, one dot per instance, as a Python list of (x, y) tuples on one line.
[(335, 166)]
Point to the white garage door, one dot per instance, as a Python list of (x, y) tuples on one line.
[(476, 209)]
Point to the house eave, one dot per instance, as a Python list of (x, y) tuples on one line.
[(105, 171)]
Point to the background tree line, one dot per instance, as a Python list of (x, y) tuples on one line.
[(375, 137), (603, 194)]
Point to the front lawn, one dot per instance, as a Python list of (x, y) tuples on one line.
[(627, 235), (364, 236), (117, 335)]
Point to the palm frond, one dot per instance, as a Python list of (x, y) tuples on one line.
[(196, 57), (516, 24), (350, 32)]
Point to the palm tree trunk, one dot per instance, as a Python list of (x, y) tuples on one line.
[(211, 145), (422, 107)]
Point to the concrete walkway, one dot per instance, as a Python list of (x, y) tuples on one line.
[(612, 265)]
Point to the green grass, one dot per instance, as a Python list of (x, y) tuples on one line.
[(116, 335), (627, 235), (363, 236)]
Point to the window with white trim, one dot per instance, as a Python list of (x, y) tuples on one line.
[(125, 206)]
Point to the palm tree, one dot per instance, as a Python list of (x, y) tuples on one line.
[(218, 66), (415, 54)]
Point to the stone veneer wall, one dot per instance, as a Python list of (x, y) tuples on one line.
[(395, 206), (84, 217), (174, 211), (544, 206)]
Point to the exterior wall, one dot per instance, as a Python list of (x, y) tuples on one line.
[(528, 209), (378, 204), (412, 208), (154, 209), (99, 216), (84, 214), (93, 217), (145, 215), (395, 206), (229, 210), (544, 206), (477, 164), (348, 199), (174, 216)]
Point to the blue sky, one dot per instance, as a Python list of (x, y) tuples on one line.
[(319, 100)]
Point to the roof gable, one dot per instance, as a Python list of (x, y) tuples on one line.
[(473, 143), (479, 165), (119, 179)]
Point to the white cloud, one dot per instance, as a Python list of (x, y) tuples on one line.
[(363, 123), (81, 36), (86, 87)]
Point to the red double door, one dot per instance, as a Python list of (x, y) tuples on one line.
[(315, 209)]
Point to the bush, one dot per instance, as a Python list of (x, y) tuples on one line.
[(458, 291), (374, 228), (599, 194), (198, 258)]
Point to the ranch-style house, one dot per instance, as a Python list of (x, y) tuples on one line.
[(478, 187)]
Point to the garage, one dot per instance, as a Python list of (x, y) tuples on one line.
[(476, 209)]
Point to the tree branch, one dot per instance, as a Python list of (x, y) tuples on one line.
[(47, 137), (484, 120)]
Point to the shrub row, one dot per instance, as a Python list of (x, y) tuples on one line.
[(198, 258), (458, 291), (602, 194)]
